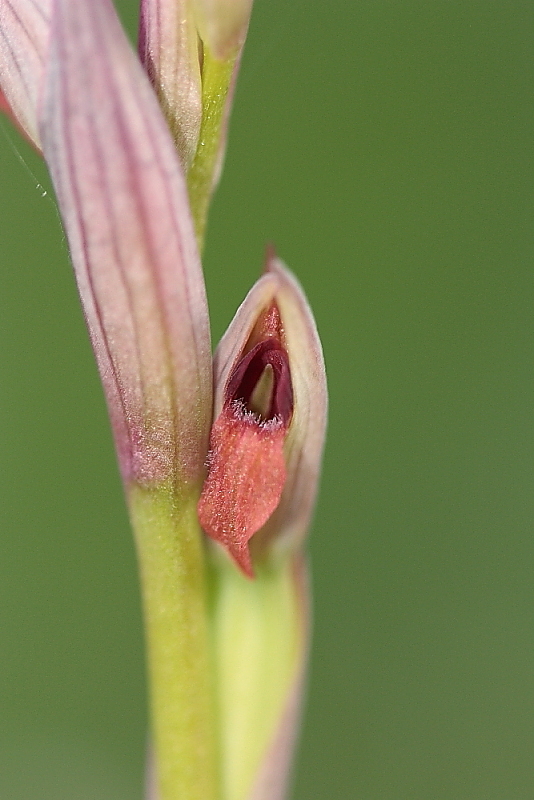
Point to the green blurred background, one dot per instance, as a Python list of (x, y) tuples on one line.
[(385, 148)]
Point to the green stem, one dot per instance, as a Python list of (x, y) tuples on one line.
[(173, 582), (216, 77)]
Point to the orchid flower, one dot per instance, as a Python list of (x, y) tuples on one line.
[(219, 461)]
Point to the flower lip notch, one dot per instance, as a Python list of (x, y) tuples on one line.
[(246, 467)]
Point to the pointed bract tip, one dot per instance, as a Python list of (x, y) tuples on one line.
[(6, 109), (222, 25), (24, 38)]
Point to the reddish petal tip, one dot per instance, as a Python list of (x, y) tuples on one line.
[(246, 475), (241, 556)]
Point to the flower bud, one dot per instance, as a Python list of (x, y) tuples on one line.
[(123, 200)]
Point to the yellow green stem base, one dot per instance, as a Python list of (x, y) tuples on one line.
[(224, 653), (173, 585)]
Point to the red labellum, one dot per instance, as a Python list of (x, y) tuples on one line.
[(246, 468)]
